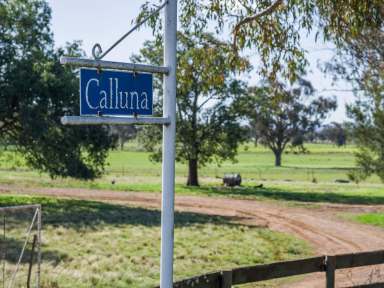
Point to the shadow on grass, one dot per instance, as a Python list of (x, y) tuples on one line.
[(279, 194), (11, 249), (83, 214)]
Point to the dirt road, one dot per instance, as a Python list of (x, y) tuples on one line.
[(320, 225)]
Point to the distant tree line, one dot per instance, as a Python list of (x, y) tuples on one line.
[(339, 134), (123, 134)]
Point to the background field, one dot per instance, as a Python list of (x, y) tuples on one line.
[(303, 177), (324, 162)]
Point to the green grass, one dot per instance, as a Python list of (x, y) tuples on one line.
[(376, 219), (304, 177), (296, 191), (94, 244), (323, 162)]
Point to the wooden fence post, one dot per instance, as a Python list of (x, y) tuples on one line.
[(226, 279), (31, 261), (330, 264)]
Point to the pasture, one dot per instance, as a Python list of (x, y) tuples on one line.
[(303, 177), (99, 244)]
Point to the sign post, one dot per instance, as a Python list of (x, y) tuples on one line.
[(169, 135), (108, 96)]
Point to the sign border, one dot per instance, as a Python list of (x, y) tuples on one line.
[(112, 115)]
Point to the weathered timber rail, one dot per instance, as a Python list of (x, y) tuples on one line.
[(326, 264)]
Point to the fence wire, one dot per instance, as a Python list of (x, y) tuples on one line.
[(20, 246)]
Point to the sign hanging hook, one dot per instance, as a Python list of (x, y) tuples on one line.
[(96, 51)]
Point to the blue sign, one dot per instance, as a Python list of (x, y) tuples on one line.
[(109, 92)]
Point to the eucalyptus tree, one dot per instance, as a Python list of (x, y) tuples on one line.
[(273, 28), (361, 62), (280, 114), (35, 91), (207, 90)]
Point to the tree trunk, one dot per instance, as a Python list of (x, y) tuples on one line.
[(277, 158), (192, 173)]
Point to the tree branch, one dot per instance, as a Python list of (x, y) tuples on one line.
[(252, 18), (206, 101)]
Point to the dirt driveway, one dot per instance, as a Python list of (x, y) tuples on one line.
[(319, 225)]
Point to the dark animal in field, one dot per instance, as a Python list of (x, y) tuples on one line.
[(231, 180)]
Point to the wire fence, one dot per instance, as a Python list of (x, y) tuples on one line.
[(20, 246)]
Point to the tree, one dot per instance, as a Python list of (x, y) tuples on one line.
[(35, 91), (361, 62), (123, 133), (207, 126), (367, 74), (336, 133), (281, 115), (274, 27)]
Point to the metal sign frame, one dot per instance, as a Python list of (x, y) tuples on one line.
[(168, 121)]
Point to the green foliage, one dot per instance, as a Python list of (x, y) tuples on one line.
[(207, 90), (36, 91), (370, 157), (366, 58), (359, 37), (281, 114), (274, 28)]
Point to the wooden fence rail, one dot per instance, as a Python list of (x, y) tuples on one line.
[(327, 264)]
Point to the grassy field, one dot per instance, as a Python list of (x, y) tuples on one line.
[(93, 244), (304, 177), (323, 162)]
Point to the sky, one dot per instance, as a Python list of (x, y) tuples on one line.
[(103, 22)]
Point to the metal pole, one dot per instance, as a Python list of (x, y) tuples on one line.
[(38, 272), (112, 120), (100, 64), (169, 135)]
